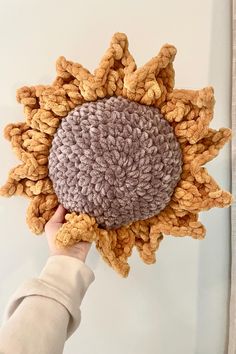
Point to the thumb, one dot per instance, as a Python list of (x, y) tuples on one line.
[(59, 215)]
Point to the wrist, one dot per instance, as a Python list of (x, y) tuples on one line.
[(78, 255)]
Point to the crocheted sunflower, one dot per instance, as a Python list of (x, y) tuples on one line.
[(121, 150)]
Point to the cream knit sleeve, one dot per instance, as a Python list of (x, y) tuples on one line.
[(45, 311)]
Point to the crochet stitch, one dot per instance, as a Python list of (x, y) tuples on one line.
[(116, 160), (188, 112)]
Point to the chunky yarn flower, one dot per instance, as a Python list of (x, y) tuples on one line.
[(121, 150)]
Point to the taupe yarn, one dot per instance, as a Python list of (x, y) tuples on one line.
[(189, 112), (116, 160)]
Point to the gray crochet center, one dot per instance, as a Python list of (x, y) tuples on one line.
[(116, 160)]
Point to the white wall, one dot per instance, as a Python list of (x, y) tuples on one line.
[(178, 305)]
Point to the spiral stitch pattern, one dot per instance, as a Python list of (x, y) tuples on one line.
[(116, 160), (189, 112)]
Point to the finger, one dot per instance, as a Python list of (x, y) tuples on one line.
[(59, 215)]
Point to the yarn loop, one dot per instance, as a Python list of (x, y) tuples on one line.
[(116, 160)]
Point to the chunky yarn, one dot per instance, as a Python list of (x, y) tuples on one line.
[(114, 157), (116, 160)]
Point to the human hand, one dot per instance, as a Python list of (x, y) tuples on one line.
[(79, 250)]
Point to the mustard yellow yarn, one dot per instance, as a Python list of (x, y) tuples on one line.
[(189, 112)]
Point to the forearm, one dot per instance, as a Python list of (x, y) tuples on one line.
[(39, 325), (46, 310)]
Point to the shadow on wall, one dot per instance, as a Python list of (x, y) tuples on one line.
[(214, 252)]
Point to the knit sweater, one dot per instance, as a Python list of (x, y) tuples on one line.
[(45, 311)]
